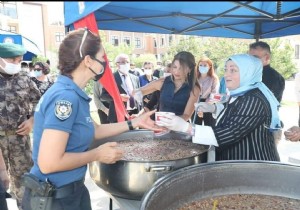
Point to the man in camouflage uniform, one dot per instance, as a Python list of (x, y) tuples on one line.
[(18, 94)]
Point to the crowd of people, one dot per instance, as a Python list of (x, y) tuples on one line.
[(245, 126)]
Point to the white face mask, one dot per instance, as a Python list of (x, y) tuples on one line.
[(203, 69), (124, 68), (11, 68), (25, 69), (31, 74), (167, 74), (37, 73), (148, 72)]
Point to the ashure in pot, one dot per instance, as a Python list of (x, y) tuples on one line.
[(132, 177)]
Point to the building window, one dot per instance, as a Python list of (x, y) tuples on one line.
[(155, 44), (114, 41), (162, 41), (138, 43), (12, 29), (297, 51), (59, 36), (127, 41), (9, 9)]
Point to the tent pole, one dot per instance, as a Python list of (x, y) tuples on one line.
[(257, 30)]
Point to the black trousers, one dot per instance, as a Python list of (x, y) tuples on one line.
[(3, 204), (102, 117)]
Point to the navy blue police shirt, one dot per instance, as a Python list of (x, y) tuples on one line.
[(63, 107)]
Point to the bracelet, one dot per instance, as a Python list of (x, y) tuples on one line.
[(129, 123)]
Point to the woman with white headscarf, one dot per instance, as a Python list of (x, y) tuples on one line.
[(245, 123)]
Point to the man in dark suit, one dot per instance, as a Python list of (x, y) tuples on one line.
[(270, 77), (126, 83)]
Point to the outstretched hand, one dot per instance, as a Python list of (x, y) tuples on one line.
[(144, 121), (293, 133)]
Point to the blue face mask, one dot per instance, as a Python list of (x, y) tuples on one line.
[(203, 69), (37, 73)]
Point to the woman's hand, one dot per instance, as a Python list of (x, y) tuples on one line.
[(293, 133), (144, 121), (109, 153)]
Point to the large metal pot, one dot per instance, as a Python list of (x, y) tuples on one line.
[(131, 179), (222, 178)]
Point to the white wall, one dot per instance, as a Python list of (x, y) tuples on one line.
[(31, 23)]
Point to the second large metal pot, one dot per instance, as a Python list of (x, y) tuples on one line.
[(131, 179), (221, 178)]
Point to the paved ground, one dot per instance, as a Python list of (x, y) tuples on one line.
[(289, 151)]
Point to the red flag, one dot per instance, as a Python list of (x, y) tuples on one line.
[(107, 80)]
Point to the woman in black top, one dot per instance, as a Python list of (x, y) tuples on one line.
[(41, 79)]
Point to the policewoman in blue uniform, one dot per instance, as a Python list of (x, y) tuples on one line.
[(64, 130)]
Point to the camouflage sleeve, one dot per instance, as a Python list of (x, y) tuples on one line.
[(35, 95)]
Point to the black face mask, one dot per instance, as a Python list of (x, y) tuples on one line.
[(99, 75)]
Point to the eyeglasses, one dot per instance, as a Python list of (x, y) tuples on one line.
[(103, 63)]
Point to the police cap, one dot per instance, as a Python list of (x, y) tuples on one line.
[(10, 50)]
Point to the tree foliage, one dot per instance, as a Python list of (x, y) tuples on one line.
[(139, 61), (39, 58), (219, 49), (282, 57)]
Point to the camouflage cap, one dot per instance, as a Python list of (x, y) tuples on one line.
[(10, 50)]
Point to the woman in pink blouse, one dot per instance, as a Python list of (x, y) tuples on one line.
[(209, 83)]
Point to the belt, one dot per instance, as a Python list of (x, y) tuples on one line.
[(68, 189), (7, 132)]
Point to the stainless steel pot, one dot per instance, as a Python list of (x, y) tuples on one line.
[(131, 179), (222, 178)]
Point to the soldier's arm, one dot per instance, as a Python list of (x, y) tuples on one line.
[(35, 95)]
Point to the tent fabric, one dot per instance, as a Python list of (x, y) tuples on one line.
[(31, 47), (241, 19)]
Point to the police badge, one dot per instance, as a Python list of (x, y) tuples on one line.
[(63, 109)]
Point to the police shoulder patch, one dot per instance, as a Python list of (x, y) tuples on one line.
[(63, 109)]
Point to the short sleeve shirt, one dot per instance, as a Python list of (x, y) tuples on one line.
[(64, 107)]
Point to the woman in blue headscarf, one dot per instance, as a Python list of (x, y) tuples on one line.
[(245, 123)]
